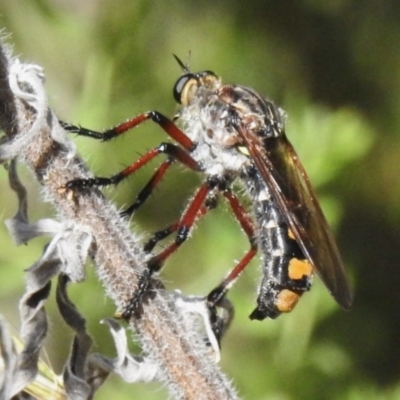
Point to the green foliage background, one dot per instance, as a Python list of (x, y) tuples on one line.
[(335, 67)]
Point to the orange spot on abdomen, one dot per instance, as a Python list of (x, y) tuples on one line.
[(299, 268), (286, 300)]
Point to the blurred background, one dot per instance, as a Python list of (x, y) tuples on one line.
[(335, 67)]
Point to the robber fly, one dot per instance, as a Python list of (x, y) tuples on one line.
[(233, 135)]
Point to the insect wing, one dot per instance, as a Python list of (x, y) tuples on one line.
[(278, 164)]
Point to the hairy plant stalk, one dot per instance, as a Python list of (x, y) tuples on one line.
[(184, 363)]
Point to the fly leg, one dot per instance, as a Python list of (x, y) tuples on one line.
[(174, 152), (155, 263), (179, 153), (216, 296), (210, 203), (165, 123)]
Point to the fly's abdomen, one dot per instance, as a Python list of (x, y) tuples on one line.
[(287, 273)]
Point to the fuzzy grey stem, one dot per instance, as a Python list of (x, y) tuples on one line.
[(185, 363)]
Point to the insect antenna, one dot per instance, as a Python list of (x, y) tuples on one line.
[(185, 67)]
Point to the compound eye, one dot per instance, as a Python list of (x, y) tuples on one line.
[(184, 88), (179, 86), (209, 73)]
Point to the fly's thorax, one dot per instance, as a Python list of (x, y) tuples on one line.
[(208, 124), (257, 114)]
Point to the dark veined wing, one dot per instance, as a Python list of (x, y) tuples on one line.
[(278, 164)]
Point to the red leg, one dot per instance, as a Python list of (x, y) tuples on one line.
[(162, 234), (173, 151), (165, 123), (184, 226), (218, 293), (155, 264), (150, 186)]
